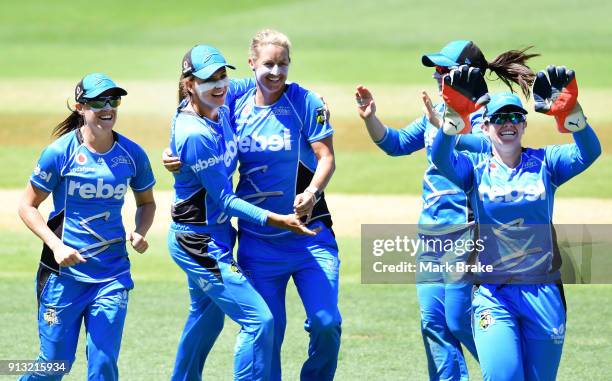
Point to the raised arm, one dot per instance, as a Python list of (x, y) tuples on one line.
[(393, 142), (454, 165), (569, 160), (464, 91)]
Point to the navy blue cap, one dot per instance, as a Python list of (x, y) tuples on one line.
[(203, 61), (95, 84), (455, 53), (506, 100)]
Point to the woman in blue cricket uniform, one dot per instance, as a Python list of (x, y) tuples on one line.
[(444, 300), (519, 314), (201, 238), (286, 160), (84, 272)]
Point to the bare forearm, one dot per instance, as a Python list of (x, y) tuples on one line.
[(323, 174), (376, 129), (144, 217)]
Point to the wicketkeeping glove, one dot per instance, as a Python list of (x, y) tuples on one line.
[(556, 93), (464, 91)]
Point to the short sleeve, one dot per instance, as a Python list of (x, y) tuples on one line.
[(143, 178), (47, 173), (237, 88), (315, 125)]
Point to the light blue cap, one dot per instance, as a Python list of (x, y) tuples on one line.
[(203, 61), (95, 84), (504, 100), (455, 53)]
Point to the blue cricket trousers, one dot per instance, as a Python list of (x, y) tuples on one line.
[(313, 263), (519, 331), (64, 303), (217, 288)]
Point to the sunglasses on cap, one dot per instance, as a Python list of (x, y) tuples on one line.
[(503, 117), (101, 102)]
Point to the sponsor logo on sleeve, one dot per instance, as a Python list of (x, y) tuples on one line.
[(45, 176)]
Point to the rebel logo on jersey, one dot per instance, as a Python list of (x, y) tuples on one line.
[(509, 193), (261, 143), (99, 190)]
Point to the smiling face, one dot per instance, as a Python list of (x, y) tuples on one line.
[(506, 130), (271, 66), (209, 94), (104, 118)]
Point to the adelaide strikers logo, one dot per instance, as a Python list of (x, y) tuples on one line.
[(81, 159), (50, 316), (486, 320), (234, 267)]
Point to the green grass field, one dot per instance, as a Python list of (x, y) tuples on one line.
[(46, 47), (381, 339)]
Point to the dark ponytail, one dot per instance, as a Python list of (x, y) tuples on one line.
[(510, 68), (71, 123), (182, 89)]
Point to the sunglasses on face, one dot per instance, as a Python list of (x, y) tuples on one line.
[(503, 118), (100, 103)]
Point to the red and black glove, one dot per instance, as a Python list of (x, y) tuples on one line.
[(464, 91), (555, 93)]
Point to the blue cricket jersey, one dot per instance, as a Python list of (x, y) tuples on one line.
[(445, 206), (204, 199), (514, 206), (88, 191), (276, 159)]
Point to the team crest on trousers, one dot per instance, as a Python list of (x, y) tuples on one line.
[(486, 320), (234, 267), (50, 316)]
